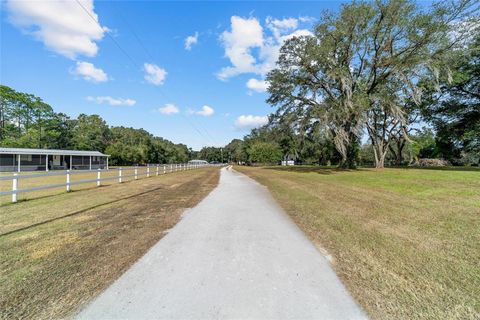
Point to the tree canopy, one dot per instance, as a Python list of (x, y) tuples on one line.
[(27, 121), (360, 70)]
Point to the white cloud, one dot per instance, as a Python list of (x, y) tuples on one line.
[(278, 26), (154, 74), (250, 122), (206, 111), (63, 26), (112, 101), (247, 34), (306, 19), (190, 41), (169, 108), (257, 85), (89, 72)]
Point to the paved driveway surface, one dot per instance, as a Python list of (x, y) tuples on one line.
[(235, 255)]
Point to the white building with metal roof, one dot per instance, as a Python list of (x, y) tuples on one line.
[(196, 161), (23, 159)]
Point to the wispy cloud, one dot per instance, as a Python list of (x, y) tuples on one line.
[(89, 72), (154, 74), (206, 111), (250, 121), (190, 41), (257, 85), (112, 101), (168, 109)]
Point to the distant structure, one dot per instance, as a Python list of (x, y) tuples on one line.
[(197, 162), (288, 160), (21, 159)]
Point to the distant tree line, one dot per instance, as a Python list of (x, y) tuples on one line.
[(403, 80), (28, 122)]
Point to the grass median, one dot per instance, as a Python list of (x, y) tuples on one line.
[(406, 242), (58, 252)]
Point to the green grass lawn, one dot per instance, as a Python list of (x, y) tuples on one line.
[(406, 242)]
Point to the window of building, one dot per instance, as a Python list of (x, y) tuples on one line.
[(26, 157)]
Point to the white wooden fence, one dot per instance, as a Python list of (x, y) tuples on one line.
[(150, 170)]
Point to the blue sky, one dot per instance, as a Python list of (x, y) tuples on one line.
[(204, 91)]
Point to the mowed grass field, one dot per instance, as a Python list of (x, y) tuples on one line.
[(406, 242), (58, 252)]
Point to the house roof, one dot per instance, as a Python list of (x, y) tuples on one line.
[(53, 152), (197, 161)]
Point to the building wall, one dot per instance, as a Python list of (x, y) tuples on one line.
[(9, 162)]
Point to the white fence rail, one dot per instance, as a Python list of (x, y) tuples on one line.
[(129, 172)]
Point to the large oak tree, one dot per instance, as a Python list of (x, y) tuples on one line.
[(361, 68)]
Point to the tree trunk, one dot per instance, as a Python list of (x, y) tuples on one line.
[(380, 148), (349, 161), (400, 146), (381, 161)]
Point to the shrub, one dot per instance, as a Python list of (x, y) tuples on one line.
[(432, 163)]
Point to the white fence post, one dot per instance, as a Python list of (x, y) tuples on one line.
[(148, 171), (164, 169), (120, 175), (157, 169), (68, 180), (136, 173), (98, 177), (14, 187)]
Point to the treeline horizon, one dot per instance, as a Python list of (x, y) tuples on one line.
[(26, 121)]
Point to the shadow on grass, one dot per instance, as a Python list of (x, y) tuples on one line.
[(312, 169), (32, 197), (450, 168), (333, 170), (78, 212)]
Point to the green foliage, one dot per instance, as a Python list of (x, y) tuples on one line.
[(235, 151), (453, 106), (211, 154), (26, 121), (90, 133), (264, 152), (423, 144), (360, 67)]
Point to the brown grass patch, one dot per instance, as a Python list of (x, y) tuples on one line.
[(56, 253)]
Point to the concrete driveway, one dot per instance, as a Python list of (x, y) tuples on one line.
[(236, 255)]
